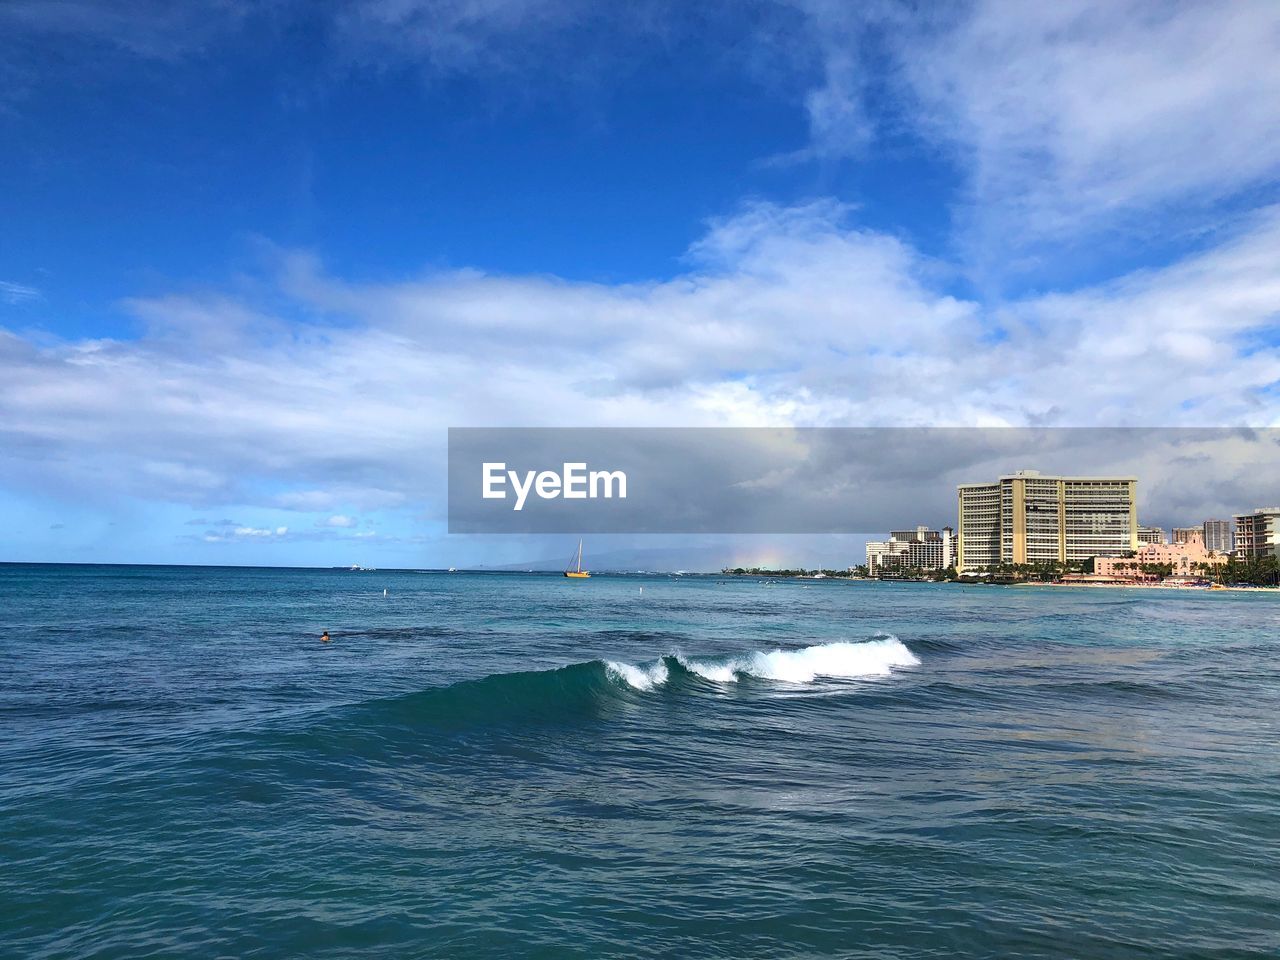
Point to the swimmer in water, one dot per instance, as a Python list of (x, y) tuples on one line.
[(324, 637)]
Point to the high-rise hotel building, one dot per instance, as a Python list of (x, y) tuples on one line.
[(1028, 517), (1258, 533), (1219, 536)]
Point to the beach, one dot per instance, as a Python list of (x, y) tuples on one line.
[(1182, 588)]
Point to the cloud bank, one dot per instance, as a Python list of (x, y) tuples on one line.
[(788, 316)]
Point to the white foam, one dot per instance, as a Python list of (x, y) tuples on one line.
[(872, 658), (720, 673), (641, 678)]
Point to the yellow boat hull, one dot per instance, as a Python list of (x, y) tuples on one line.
[(576, 575)]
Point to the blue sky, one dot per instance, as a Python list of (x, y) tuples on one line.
[(255, 260)]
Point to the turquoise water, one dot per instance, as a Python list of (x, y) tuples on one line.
[(514, 765)]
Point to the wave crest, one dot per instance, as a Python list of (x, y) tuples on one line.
[(599, 687), (841, 660), (641, 678)]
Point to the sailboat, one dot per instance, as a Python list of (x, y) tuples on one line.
[(575, 566)]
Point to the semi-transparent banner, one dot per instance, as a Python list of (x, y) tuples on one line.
[(829, 480)]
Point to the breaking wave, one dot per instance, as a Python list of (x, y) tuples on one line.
[(641, 678), (598, 687), (844, 660), (871, 658)]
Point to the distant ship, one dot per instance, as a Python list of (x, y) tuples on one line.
[(575, 566)]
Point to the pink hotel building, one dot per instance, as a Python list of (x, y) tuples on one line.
[(1185, 558)]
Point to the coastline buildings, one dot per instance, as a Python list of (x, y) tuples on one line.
[(1029, 517), (1185, 559), (1218, 535), (1258, 533), (918, 549)]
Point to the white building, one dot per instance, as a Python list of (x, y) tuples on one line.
[(1258, 533), (918, 549), (1219, 536)]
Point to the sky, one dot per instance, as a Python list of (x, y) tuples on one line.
[(256, 259)]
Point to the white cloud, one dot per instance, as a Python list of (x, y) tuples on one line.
[(338, 520), (241, 533), (1066, 113), (836, 41), (17, 293), (785, 316), (1064, 121), (447, 36), (838, 120)]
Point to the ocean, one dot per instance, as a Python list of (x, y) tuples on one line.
[(507, 765)]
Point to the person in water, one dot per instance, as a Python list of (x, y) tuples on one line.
[(324, 637)]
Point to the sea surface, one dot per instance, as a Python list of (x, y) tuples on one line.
[(503, 765)]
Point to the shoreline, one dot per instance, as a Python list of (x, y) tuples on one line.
[(1149, 586)]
